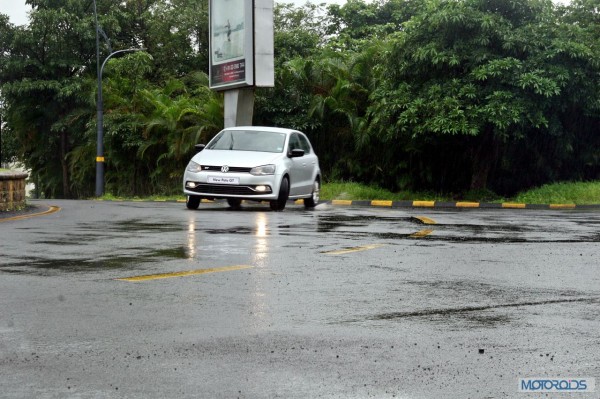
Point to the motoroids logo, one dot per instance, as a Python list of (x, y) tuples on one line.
[(545, 384)]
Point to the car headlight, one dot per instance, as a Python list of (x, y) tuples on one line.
[(194, 167), (263, 170)]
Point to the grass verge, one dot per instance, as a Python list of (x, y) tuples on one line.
[(578, 193)]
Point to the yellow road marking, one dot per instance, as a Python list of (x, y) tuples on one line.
[(381, 203), (421, 234), (184, 273), (512, 205), (299, 201), (562, 206), (354, 249), (425, 220), (427, 204), (467, 204), (53, 209), (341, 202)]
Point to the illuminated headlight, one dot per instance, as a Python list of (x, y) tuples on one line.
[(262, 189), (193, 167), (191, 184), (263, 170)]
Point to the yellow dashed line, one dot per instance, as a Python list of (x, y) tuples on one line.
[(354, 249), (421, 234), (425, 220), (184, 273), (53, 209)]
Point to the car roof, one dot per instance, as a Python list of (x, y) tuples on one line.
[(263, 129)]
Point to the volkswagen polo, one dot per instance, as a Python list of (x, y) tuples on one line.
[(254, 163)]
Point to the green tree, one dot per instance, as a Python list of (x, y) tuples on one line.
[(480, 71), (42, 75)]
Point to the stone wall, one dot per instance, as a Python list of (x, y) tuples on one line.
[(12, 190)]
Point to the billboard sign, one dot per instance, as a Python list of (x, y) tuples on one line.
[(231, 44)]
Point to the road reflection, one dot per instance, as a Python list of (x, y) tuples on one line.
[(261, 247), (191, 238), (260, 302)]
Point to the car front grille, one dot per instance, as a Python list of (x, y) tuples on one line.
[(213, 168), (222, 189)]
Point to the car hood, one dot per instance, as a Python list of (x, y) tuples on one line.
[(247, 159)]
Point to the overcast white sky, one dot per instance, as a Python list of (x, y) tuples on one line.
[(17, 10)]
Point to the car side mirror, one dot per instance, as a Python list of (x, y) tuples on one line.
[(199, 147), (297, 153)]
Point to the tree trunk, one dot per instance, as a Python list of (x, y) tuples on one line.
[(485, 155), (65, 167)]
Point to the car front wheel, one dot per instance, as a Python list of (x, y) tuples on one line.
[(284, 192), (234, 203), (192, 201), (314, 197)]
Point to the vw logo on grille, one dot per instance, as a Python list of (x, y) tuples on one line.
[(225, 169)]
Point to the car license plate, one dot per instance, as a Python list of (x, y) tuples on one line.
[(223, 180)]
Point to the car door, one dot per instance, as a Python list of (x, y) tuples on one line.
[(296, 166), (309, 165)]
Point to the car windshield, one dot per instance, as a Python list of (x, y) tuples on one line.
[(248, 140)]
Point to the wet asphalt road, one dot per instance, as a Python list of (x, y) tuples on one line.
[(331, 303)]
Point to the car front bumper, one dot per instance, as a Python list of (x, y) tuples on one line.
[(245, 185)]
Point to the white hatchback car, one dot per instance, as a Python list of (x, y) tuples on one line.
[(254, 163)]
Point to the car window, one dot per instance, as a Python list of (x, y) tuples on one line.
[(248, 140), (304, 144), (294, 142)]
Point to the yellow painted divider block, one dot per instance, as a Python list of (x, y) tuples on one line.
[(563, 206), (513, 206), (426, 204), (425, 220), (467, 204), (421, 234), (381, 203), (341, 202)]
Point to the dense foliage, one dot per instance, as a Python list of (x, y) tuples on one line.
[(444, 95)]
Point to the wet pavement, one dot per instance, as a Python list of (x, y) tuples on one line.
[(335, 302)]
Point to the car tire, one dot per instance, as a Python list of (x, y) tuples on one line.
[(234, 203), (284, 192), (314, 196), (192, 202)]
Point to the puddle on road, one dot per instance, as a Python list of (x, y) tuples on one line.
[(482, 316), (232, 230), (328, 223), (44, 266)]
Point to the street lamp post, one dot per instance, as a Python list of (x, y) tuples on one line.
[(100, 107)]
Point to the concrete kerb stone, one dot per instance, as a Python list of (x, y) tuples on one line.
[(464, 205), (426, 204)]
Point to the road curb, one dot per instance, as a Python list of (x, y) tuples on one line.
[(48, 210), (458, 204), (413, 204)]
